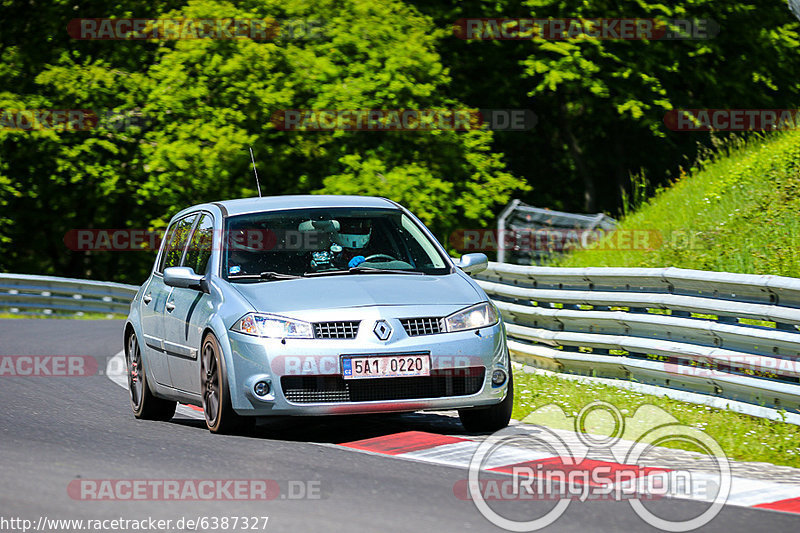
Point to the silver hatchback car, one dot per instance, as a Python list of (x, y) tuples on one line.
[(313, 305)]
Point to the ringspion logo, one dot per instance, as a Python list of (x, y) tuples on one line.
[(568, 472)]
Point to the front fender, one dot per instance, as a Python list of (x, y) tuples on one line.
[(230, 306)]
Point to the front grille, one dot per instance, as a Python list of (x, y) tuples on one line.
[(422, 326), (333, 388), (336, 330)]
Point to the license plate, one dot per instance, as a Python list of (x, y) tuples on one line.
[(386, 366)]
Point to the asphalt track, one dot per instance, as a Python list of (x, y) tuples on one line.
[(55, 430)]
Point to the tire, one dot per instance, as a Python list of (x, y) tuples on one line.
[(492, 418), (145, 404), (219, 414)]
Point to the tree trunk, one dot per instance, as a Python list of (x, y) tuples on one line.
[(575, 150)]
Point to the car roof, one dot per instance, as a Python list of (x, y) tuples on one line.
[(277, 203)]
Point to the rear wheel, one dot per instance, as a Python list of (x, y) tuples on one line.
[(144, 404), (492, 418), (220, 416)]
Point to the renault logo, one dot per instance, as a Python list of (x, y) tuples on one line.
[(382, 330)]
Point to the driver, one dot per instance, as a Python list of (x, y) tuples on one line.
[(353, 239)]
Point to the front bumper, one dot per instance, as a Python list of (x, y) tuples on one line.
[(257, 359)]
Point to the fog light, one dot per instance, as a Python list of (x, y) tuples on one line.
[(498, 378), (261, 388)]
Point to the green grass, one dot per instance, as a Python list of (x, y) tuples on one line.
[(737, 211), (742, 437)]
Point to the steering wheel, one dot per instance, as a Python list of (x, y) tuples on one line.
[(382, 258)]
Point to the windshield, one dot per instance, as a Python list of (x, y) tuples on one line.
[(312, 242)]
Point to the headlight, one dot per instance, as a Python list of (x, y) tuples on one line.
[(276, 327), (477, 316)]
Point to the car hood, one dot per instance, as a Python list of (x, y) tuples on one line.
[(358, 290)]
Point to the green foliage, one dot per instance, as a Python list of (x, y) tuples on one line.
[(611, 95), (736, 212), (600, 106), (601, 103), (372, 56), (206, 101)]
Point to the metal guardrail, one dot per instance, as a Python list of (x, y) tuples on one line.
[(520, 219), (734, 336), (26, 294)]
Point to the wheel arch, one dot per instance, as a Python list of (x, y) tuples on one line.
[(129, 328), (224, 344)]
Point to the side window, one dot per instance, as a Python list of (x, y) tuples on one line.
[(177, 243), (199, 251), (167, 238)]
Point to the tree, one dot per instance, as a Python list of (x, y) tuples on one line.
[(601, 103), (213, 99), (206, 101)]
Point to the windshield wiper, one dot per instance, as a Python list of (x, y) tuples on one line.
[(369, 270), (265, 276), (363, 270)]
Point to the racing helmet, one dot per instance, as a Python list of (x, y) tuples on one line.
[(353, 233)]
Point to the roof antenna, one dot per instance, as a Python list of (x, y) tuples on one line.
[(253, 159)]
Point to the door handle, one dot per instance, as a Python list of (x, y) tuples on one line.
[(147, 299), (170, 307)]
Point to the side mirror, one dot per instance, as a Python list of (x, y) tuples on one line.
[(473, 263), (184, 278)]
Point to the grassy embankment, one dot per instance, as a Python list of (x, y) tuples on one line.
[(737, 211)]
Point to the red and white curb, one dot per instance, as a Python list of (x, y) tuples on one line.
[(458, 452)]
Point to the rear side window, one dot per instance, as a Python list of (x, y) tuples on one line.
[(173, 254), (199, 251)]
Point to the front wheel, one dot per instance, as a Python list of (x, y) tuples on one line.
[(492, 418), (219, 414), (144, 404)]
